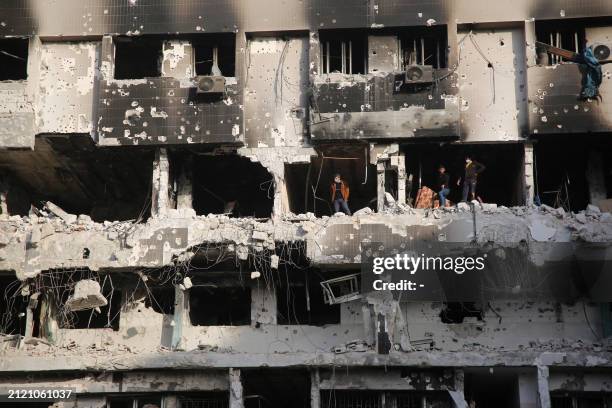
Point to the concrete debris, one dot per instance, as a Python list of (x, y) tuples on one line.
[(592, 211), (260, 236), (86, 295), (352, 346), (274, 261), (363, 211), (389, 200), (57, 211), (581, 218), (255, 275), (463, 206), (187, 282)]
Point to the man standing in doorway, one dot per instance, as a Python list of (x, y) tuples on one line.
[(472, 170), (443, 188), (340, 195)]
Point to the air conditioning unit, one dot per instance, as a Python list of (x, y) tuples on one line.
[(419, 74), (211, 84), (600, 38)]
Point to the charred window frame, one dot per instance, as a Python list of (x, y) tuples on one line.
[(214, 54), (161, 299), (380, 399), (133, 401), (210, 399), (216, 305), (423, 46), (138, 57), (14, 59), (580, 399), (300, 300), (456, 312), (104, 317), (13, 306), (343, 51), (560, 34)]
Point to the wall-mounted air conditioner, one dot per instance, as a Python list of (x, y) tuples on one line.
[(419, 74), (208, 84)]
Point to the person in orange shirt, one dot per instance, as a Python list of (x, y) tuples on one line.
[(340, 195)]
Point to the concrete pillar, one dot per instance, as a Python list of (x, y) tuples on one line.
[(107, 58), (528, 389), (543, 390), (369, 327), (401, 178), (281, 197), (458, 394), (236, 399), (184, 198), (181, 308), (380, 186), (263, 303), (530, 39), (529, 180), (595, 177), (315, 391), (171, 401), (161, 175)]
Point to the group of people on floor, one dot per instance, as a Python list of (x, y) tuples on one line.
[(340, 189)]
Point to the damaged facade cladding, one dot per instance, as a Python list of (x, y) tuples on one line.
[(166, 235)]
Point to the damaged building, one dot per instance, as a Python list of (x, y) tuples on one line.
[(167, 234)]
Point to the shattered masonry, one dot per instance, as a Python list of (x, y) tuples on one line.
[(166, 235)]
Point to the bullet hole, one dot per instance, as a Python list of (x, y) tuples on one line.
[(86, 253)]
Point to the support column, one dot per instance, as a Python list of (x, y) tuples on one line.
[(380, 186), (401, 178), (458, 394), (530, 39), (180, 312), (281, 197), (543, 390), (236, 399), (184, 198), (263, 303), (595, 177), (171, 401), (161, 175), (529, 181), (315, 391)]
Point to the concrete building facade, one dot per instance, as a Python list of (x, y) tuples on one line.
[(166, 232)]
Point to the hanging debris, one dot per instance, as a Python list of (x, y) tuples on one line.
[(86, 295)]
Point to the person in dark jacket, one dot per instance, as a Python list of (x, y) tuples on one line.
[(472, 170), (443, 185), (340, 195)]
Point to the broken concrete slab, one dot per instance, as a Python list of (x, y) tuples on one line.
[(86, 296), (57, 211)]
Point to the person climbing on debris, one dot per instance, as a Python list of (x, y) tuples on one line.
[(340, 195), (443, 186), (590, 61), (472, 170), (592, 74)]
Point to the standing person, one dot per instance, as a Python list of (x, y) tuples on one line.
[(443, 186), (340, 195), (472, 170)]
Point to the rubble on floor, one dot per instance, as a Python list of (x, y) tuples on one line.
[(31, 244)]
